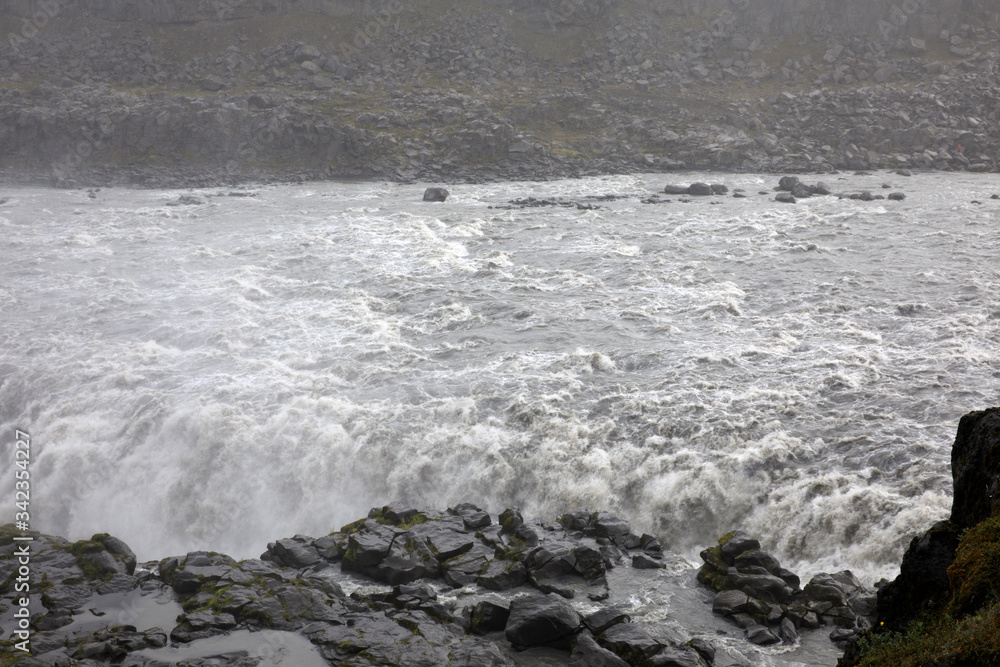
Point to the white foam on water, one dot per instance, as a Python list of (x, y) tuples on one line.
[(219, 376)]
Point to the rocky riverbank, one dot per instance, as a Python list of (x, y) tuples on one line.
[(483, 91), (404, 586), (542, 586)]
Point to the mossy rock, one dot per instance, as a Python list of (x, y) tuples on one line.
[(403, 519), (510, 520), (975, 574), (719, 558), (351, 528), (9, 531)]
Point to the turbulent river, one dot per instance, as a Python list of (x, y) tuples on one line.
[(220, 375)]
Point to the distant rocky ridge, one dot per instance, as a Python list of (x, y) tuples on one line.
[(220, 91), (919, 18)]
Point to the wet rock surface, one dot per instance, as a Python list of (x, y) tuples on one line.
[(765, 599), (526, 579)]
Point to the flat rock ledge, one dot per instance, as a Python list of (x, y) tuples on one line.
[(523, 578)]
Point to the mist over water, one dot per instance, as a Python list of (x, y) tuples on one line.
[(223, 375)]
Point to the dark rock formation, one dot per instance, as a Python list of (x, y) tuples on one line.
[(538, 620), (788, 183), (764, 598), (543, 564), (975, 468), (951, 567), (435, 194)]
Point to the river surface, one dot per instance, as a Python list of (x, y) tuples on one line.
[(220, 375)]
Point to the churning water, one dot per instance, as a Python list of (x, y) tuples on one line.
[(225, 374)]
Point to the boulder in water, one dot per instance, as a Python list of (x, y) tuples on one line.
[(435, 194), (787, 183)]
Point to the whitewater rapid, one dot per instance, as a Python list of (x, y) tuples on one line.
[(220, 375)]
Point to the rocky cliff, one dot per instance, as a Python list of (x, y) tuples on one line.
[(205, 91), (944, 607)]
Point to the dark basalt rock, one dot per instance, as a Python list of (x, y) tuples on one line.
[(788, 183), (975, 468), (923, 578), (631, 642), (501, 575), (612, 527), (297, 551), (489, 617), (603, 619), (677, 190), (537, 620), (367, 547), (645, 562), (435, 194), (700, 189), (802, 191), (785, 198), (588, 653), (408, 560), (756, 593), (472, 516)]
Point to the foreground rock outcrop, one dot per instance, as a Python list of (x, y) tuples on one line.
[(765, 599), (943, 608), (528, 585)]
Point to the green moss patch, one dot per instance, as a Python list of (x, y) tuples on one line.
[(389, 517), (936, 639), (975, 574)]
